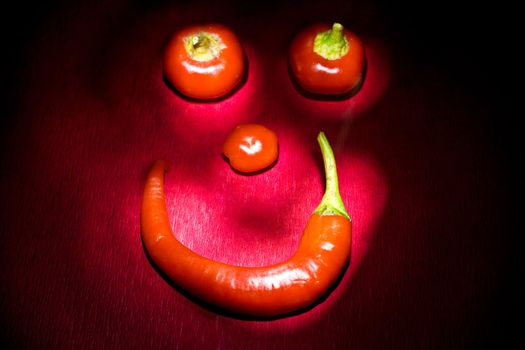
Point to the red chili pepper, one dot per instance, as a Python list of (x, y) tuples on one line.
[(251, 147), (327, 60), (273, 290), (204, 61)]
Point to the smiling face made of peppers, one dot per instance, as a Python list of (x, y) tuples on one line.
[(208, 62)]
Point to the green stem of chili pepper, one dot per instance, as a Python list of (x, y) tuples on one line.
[(331, 44), (331, 203), (203, 46)]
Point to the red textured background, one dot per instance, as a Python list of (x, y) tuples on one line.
[(423, 160)]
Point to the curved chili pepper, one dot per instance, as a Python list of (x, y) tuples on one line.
[(272, 290)]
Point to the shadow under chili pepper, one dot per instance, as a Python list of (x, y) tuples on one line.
[(333, 98), (240, 316), (232, 92)]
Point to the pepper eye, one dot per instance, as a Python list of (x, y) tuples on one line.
[(204, 61), (251, 145)]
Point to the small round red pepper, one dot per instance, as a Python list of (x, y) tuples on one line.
[(327, 60), (251, 147), (204, 61)]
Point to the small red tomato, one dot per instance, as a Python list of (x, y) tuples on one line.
[(204, 61), (251, 147), (327, 60)]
